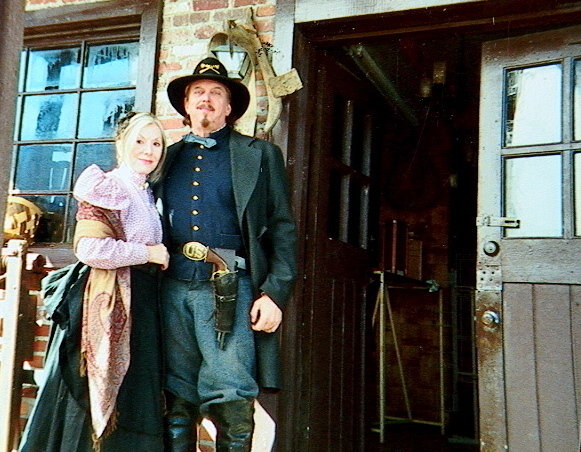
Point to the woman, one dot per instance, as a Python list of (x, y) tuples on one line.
[(103, 387)]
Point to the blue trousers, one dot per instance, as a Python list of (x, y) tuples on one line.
[(196, 369)]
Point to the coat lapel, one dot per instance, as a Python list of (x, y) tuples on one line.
[(245, 169)]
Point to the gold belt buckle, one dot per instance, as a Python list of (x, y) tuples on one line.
[(195, 251)]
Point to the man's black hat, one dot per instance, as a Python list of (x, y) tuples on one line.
[(210, 69)]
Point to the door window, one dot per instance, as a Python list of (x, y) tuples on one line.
[(538, 145), (533, 195), (533, 101)]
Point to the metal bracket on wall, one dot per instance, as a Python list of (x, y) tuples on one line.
[(488, 277)]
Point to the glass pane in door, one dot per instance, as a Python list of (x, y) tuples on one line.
[(533, 105), (533, 194)]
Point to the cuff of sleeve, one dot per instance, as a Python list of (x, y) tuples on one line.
[(142, 254)]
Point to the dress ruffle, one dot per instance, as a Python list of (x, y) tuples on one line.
[(101, 189)]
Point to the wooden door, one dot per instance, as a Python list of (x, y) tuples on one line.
[(336, 263), (528, 300)]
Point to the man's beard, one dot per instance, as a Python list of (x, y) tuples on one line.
[(205, 122)]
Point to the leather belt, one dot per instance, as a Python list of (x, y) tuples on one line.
[(196, 251)]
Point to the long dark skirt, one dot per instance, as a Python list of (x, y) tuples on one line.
[(60, 420)]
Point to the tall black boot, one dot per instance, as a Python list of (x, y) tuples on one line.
[(180, 425), (234, 423)]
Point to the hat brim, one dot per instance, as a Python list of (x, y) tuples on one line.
[(240, 96)]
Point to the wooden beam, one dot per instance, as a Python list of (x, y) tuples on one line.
[(11, 20)]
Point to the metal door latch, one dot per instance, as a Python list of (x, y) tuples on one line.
[(499, 222)]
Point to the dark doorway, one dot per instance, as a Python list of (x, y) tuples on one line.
[(409, 105)]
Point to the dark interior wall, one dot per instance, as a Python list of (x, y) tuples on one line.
[(11, 25), (428, 186)]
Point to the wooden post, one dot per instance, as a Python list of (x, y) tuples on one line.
[(14, 256), (11, 24)]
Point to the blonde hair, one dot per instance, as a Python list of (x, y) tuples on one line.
[(128, 129)]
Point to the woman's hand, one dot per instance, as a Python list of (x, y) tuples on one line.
[(158, 255)]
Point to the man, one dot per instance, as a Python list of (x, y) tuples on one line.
[(228, 192)]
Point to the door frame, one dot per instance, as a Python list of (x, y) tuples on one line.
[(496, 16)]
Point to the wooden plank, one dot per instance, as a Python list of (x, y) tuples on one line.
[(308, 10), (520, 369), (576, 344), (9, 409), (541, 261), (491, 387), (556, 388)]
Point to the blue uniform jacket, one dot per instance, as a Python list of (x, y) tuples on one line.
[(266, 221)]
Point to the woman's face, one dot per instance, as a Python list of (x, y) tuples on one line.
[(145, 152)]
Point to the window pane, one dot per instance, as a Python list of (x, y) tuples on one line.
[(111, 65), (533, 195), (52, 220), (43, 167), (53, 69), (101, 110), (102, 154), (533, 105), (49, 117), (577, 169), (577, 102)]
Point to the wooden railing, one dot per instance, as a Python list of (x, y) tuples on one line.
[(17, 332)]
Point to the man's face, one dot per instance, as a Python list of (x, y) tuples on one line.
[(207, 103)]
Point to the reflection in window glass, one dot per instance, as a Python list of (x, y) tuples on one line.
[(577, 102), (43, 167), (53, 69), (101, 154), (49, 117), (111, 65), (533, 105), (533, 193), (52, 220), (101, 110), (577, 170), (69, 101)]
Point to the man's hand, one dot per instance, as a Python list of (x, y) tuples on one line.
[(265, 315)]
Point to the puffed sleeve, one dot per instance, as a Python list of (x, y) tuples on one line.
[(99, 189)]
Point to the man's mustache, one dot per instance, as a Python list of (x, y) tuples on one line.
[(205, 105)]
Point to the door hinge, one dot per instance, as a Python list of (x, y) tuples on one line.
[(499, 222)]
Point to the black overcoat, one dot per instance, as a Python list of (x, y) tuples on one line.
[(265, 217)]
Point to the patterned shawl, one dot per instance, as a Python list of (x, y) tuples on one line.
[(106, 323)]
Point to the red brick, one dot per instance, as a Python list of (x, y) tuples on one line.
[(247, 2), (201, 5), (206, 448), (37, 362), (171, 124), (265, 11), (165, 68), (39, 346), (205, 32), (29, 391), (203, 434), (42, 330), (263, 26)]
